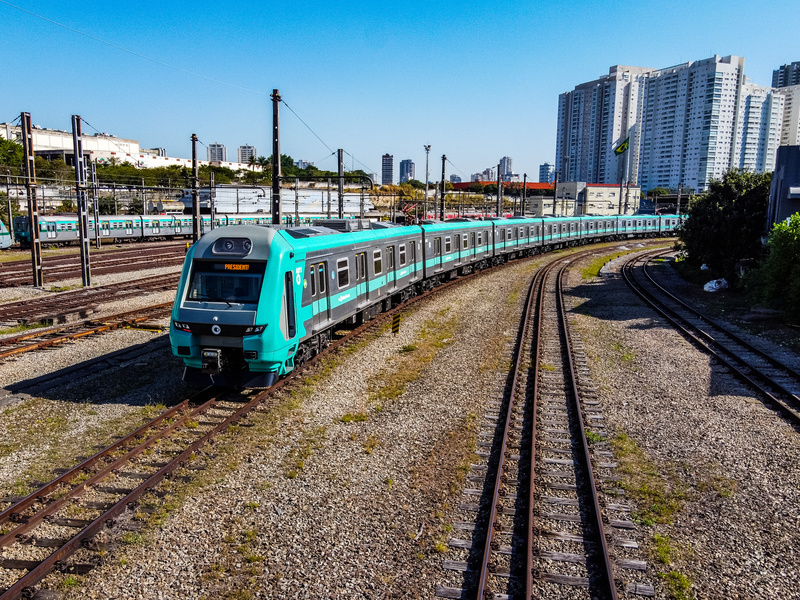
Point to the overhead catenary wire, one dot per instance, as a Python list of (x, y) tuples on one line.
[(307, 127), (369, 169), (134, 53)]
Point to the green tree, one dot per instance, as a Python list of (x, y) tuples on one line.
[(11, 157), (476, 187), (658, 191), (779, 275), (724, 225)]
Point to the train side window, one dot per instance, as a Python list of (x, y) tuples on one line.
[(465, 241), (343, 272), (321, 275), (363, 261), (402, 254), (288, 296), (377, 262), (313, 278), (480, 238), (437, 246), (502, 235), (510, 234), (390, 258), (447, 245)]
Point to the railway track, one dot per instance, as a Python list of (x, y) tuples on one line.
[(541, 528), (777, 382), (60, 268), (66, 306), (38, 339)]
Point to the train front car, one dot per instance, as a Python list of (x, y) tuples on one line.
[(234, 309)]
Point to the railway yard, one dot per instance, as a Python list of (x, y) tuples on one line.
[(377, 471)]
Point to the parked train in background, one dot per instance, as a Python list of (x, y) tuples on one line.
[(63, 229), (254, 302), (5, 237)]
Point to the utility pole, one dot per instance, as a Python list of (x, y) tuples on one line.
[(95, 205), (427, 178), (678, 208), (340, 153), (195, 193), (296, 201), (212, 195), (80, 189), (30, 189), (524, 194), (441, 209), (276, 159), (555, 188), (329, 197), (499, 192)]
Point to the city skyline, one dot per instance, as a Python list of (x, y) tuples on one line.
[(137, 76)]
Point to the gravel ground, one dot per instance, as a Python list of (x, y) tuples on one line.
[(316, 502), (732, 461)]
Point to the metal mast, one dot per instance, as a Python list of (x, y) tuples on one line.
[(80, 189), (30, 189)]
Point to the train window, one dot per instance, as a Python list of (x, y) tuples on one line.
[(437, 246), (480, 238), (447, 245), (313, 277), (288, 299), (321, 275), (343, 270), (363, 262), (402, 254), (465, 242), (390, 258), (225, 282), (510, 234), (377, 262), (502, 235)]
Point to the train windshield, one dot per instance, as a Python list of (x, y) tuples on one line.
[(229, 282)]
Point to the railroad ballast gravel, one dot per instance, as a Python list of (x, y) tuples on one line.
[(351, 522)]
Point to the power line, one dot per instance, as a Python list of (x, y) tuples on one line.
[(369, 169), (306, 124), (456, 168), (154, 60)]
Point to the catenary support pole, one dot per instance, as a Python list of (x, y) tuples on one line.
[(195, 193), (276, 159), (444, 189), (499, 192), (80, 189), (340, 162), (522, 207), (95, 205), (33, 206)]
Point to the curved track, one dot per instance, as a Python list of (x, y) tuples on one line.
[(776, 381)]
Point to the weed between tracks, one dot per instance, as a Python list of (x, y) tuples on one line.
[(593, 268)]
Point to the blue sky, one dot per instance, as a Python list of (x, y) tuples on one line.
[(477, 81)]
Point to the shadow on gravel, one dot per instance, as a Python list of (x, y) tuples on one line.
[(139, 375)]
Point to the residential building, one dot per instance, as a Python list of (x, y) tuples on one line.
[(487, 175), (685, 124), (406, 170), (217, 153), (455, 179), (387, 169), (581, 198), (245, 153), (790, 131), (784, 193), (547, 173), (786, 75), (505, 166), (303, 164)]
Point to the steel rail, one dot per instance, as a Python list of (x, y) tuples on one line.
[(771, 359), (700, 338), (486, 568), (597, 515), (16, 344)]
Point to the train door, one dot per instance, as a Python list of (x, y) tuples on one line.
[(319, 295), (473, 244), (178, 228), (362, 283), (391, 278), (104, 228), (437, 254), (373, 284), (52, 233), (129, 227)]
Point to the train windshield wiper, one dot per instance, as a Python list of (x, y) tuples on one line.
[(213, 299)]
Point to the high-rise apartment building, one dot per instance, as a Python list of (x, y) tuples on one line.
[(387, 169), (245, 153), (685, 124), (787, 75), (790, 131), (505, 167), (547, 173), (406, 170), (217, 153)]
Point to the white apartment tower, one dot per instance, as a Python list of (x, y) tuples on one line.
[(244, 153), (217, 153), (686, 124)]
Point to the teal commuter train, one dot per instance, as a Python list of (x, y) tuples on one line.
[(255, 302)]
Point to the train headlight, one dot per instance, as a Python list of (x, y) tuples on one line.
[(182, 326)]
